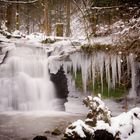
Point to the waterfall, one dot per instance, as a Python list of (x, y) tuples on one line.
[(25, 82)]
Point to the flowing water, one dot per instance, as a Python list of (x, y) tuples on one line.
[(24, 81)]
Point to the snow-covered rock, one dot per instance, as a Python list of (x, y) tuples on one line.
[(78, 129), (125, 126), (17, 34)]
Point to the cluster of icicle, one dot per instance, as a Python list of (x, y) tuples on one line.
[(101, 62)]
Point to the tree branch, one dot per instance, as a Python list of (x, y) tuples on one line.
[(109, 7), (85, 22), (19, 2)]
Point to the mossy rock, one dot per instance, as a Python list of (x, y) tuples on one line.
[(88, 48)]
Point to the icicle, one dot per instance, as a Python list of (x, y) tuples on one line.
[(114, 70), (119, 67), (128, 66), (101, 67), (85, 65), (107, 69), (89, 69), (75, 58), (93, 71), (132, 92), (67, 65)]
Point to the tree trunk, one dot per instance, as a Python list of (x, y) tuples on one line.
[(68, 17), (59, 29), (47, 22), (17, 16), (9, 17), (28, 20)]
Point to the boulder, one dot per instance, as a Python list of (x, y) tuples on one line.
[(103, 135)]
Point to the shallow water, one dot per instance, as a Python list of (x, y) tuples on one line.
[(21, 126)]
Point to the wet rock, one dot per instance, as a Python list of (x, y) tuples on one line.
[(60, 81), (40, 138), (103, 135), (4, 58), (47, 132), (56, 132), (64, 138)]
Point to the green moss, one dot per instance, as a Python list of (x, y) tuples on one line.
[(117, 92), (78, 81), (48, 41), (87, 48)]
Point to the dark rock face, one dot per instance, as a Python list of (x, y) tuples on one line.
[(4, 58), (103, 135), (138, 80), (40, 138), (60, 81)]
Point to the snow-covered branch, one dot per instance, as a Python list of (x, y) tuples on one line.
[(19, 2), (85, 20), (108, 7)]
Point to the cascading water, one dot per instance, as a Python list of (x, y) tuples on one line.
[(24, 81)]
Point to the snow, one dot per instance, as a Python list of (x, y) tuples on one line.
[(3, 38), (7, 46), (17, 34), (3, 25), (127, 125), (77, 27), (78, 127)]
